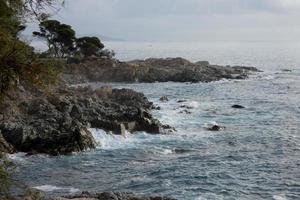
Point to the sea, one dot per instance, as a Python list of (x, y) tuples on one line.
[(256, 156)]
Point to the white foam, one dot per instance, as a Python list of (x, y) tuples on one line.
[(210, 124), (110, 141), (193, 104), (279, 197), (161, 151), (51, 188), (17, 157)]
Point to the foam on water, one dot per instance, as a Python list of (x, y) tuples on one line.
[(109, 141), (51, 188), (17, 157)]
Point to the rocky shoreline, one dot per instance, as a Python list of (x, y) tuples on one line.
[(151, 70), (110, 196), (57, 123)]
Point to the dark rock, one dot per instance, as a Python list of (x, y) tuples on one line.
[(76, 112), (215, 128), (237, 106), (110, 196), (164, 98), (58, 124), (187, 107), (157, 108), (5, 147), (185, 112), (286, 70)]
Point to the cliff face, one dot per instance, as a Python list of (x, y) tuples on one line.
[(152, 70)]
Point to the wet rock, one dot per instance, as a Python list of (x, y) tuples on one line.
[(157, 108), (185, 112), (110, 196), (215, 128), (164, 98), (186, 106), (238, 106)]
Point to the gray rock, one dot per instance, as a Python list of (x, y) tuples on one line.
[(58, 124)]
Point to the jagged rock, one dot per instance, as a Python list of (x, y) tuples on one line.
[(215, 128), (5, 147), (57, 124), (164, 98)]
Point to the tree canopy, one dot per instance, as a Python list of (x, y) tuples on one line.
[(89, 46), (60, 37)]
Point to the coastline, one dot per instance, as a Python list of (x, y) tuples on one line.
[(57, 123)]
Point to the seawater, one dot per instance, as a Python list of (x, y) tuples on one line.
[(257, 155)]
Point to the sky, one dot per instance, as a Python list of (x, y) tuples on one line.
[(184, 20)]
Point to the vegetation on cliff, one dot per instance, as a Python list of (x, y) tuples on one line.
[(18, 62)]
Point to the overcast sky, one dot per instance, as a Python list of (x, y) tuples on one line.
[(185, 20)]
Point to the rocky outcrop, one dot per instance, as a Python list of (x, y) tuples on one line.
[(58, 123), (5, 147), (152, 70), (110, 196)]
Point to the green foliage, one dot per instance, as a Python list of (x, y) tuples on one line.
[(18, 62), (60, 37), (89, 46)]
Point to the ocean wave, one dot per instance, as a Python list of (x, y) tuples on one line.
[(110, 141), (17, 157), (51, 188)]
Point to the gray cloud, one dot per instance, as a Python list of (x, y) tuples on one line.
[(164, 20)]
